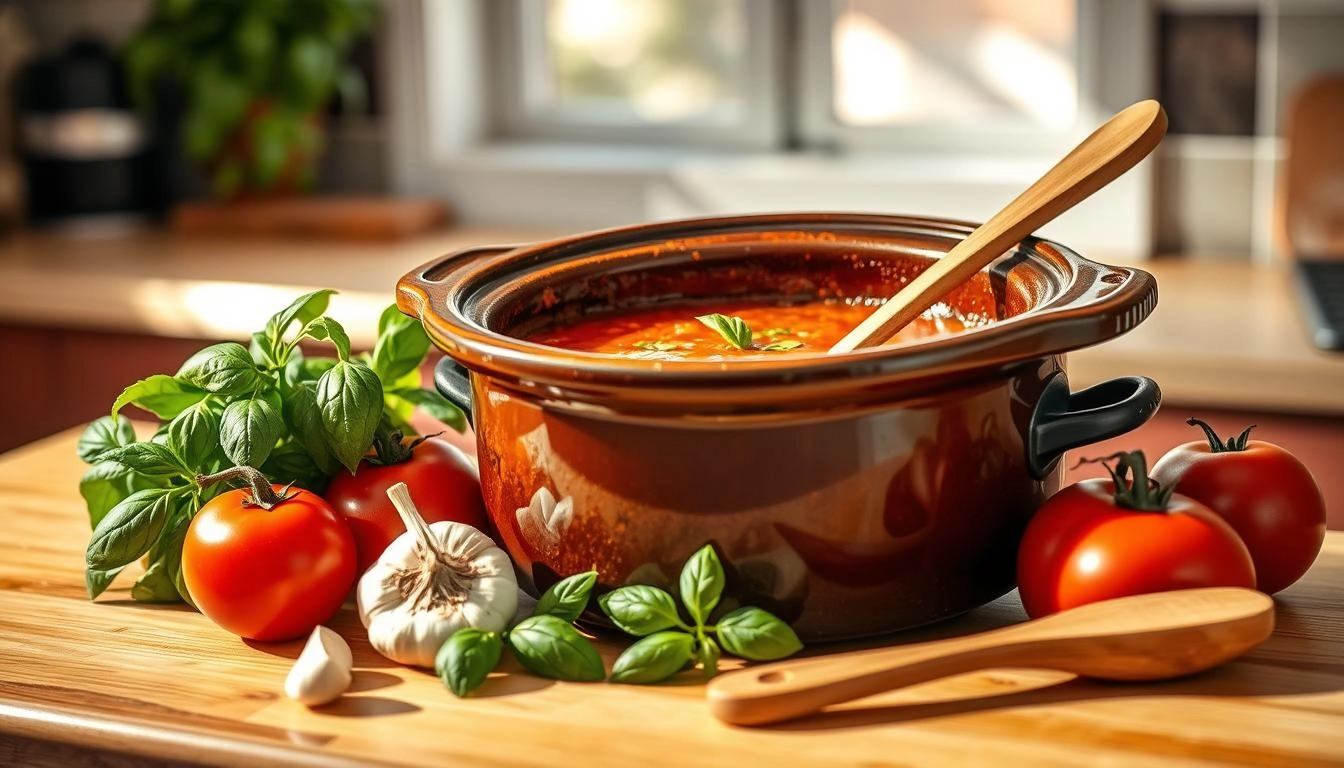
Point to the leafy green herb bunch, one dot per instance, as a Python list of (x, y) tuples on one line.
[(297, 418)]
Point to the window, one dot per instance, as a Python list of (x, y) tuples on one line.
[(687, 72), (588, 113)]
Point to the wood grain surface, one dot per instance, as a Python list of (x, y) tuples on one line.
[(143, 684)]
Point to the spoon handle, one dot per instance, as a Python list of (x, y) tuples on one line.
[(1118, 145), (1141, 637), (788, 689)]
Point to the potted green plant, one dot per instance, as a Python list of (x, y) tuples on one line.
[(254, 77)]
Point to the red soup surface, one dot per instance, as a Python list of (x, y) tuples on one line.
[(675, 333)]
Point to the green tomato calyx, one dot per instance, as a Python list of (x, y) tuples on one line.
[(1134, 489), (1216, 444)]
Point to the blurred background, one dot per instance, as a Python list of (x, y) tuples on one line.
[(583, 113), (173, 171)]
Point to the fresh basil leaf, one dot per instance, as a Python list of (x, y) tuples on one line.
[(102, 435), (733, 329), (701, 583), (159, 584), (160, 394), (224, 369), (326, 328), (290, 464), (567, 598), (640, 610), (97, 581), (263, 352), (129, 529), (193, 434), (709, 654), (106, 484), (755, 634), (312, 368), (436, 406), (150, 459), (467, 658), (552, 647), (401, 347), (250, 427), (654, 658), (304, 418), (782, 346), (350, 401), (304, 310), (155, 585)]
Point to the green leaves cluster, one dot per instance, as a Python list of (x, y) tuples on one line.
[(298, 419), (735, 331), (547, 644), (254, 73), (668, 644)]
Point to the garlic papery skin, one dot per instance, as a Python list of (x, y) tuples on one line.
[(323, 670), (430, 582)]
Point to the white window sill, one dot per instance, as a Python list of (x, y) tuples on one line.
[(577, 187)]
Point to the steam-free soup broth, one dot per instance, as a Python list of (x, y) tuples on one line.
[(676, 333)]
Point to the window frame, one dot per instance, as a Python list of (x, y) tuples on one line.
[(445, 142), (517, 50)]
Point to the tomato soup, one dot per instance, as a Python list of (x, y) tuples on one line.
[(667, 333)]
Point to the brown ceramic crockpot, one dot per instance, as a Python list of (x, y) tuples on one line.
[(850, 494)]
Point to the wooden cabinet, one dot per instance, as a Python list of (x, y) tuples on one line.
[(56, 378)]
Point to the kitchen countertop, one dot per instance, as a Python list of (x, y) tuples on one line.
[(1224, 334), (161, 683)]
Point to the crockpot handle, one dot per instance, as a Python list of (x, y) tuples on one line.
[(1064, 419), (452, 381), (428, 284)]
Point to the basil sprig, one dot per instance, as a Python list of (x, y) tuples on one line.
[(547, 644), (670, 644), (298, 419), (735, 331)]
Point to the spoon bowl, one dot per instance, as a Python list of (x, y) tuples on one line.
[(1145, 637)]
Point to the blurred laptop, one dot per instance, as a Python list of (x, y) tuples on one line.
[(1312, 212)]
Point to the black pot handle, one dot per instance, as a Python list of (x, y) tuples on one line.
[(1063, 420), (454, 383)]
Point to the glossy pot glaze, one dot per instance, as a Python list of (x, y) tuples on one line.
[(850, 494)]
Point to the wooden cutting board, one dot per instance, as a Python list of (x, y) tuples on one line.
[(339, 218), (162, 683)]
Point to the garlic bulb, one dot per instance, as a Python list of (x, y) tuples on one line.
[(430, 582), (323, 670)]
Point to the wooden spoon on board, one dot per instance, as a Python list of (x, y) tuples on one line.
[(1118, 145), (1145, 637)]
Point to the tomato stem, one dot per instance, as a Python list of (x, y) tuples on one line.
[(263, 495), (390, 448), (1216, 445), (1139, 492)]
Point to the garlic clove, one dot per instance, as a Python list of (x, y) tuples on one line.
[(323, 670)]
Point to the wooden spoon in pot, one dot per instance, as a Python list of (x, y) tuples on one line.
[(1118, 145), (1144, 637)]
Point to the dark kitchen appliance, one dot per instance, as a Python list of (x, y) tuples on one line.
[(85, 152)]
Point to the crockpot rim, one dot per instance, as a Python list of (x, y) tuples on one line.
[(1073, 314)]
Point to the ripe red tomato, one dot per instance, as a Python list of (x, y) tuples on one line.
[(1100, 539), (446, 484), (1264, 492), (268, 574)]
